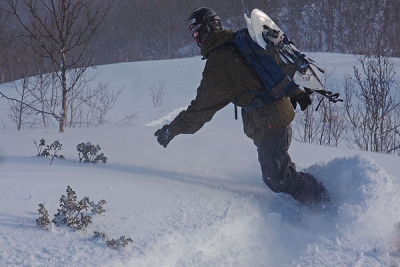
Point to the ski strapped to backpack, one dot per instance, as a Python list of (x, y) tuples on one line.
[(252, 42), (290, 55)]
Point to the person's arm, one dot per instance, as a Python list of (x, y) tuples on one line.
[(214, 93)]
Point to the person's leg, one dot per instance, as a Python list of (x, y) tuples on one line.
[(277, 168), (279, 172)]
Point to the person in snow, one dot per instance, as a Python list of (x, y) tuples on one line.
[(227, 78)]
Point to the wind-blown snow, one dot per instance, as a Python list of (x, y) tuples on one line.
[(199, 202)]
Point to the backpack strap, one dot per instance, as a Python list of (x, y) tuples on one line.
[(284, 88)]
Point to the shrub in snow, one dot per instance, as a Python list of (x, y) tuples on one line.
[(88, 153), (103, 235), (120, 242), (48, 150), (43, 221), (114, 243), (98, 208), (71, 212)]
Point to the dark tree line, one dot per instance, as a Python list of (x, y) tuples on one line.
[(153, 29)]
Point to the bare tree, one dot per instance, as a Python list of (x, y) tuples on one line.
[(99, 102), (128, 120), (332, 116), (44, 90), (60, 31), (323, 122), (374, 114), (333, 124), (156, 92), (20, 112), (25, 104), (90, 102), (307, 124)]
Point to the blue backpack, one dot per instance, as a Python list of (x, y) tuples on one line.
[(276, 83)]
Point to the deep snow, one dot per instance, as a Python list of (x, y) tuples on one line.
[(200, 201)]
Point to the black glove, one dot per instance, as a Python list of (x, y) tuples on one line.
[(164, 135), (303, 99)]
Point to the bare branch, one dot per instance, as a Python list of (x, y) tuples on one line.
[(31, 107)]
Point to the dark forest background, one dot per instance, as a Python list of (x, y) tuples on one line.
[(153, 29)]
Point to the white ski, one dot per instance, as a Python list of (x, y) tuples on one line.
[(263, 29)]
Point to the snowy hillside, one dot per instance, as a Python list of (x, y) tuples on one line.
[(200, 201)]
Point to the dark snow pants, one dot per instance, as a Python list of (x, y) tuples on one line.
[(279, 172)]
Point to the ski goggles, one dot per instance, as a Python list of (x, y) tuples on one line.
[(195, 32)]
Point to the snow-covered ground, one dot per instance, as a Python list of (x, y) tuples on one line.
[(199, 202)]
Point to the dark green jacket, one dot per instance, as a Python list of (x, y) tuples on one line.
[(227, 77)]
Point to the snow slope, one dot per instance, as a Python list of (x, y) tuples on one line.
[(199, 202)]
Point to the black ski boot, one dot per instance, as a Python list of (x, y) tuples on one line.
[(311, 192)]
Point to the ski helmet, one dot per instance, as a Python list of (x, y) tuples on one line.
[(202, 22)]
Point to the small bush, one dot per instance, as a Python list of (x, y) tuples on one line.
[(49, 150), (98, 208), (72, 215), (114, 243), (71, 212), (43, 221), (120, 242), (103, 235), (88, 153)]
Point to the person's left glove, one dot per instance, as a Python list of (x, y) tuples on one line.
[(303, 99), (164, 135)]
